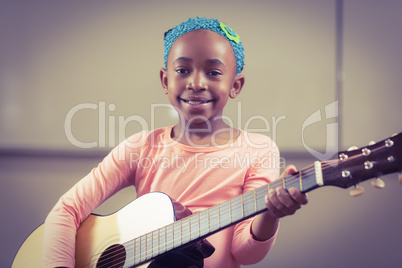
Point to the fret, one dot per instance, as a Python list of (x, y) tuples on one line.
[(142, 248), (204, 223), (213, 214), (219, 216), (255, 200), (148, 246), (194, 226), (209, 223), (236, 208), (224, 214), (242, 207), (230, 211), (185, 230), (177, 234), (169, 237), (155, 243), (309, 180), (137, 250), (162, 240), (199, 225), (260, 198), (189, 226), (248, 204), (292, 181)]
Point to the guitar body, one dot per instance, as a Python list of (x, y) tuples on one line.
[(99, 234)]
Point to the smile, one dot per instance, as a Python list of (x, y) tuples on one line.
[(195, 101)]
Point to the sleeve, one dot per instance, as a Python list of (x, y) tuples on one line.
[(113, 174), (265, 169)]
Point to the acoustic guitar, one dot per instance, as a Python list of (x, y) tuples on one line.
[(123, 239)]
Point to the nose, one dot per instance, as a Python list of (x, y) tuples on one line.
[(196, 82)]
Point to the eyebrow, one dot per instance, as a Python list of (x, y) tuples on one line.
[(182, 59), (210, 61), (215, 61)]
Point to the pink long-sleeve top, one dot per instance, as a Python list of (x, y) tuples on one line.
[(197, 177)]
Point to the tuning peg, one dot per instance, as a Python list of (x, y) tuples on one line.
[(371, 143), (378, 183), (358, 190), (400, 177), (352, 148)]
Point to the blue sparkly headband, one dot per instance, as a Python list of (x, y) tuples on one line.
[(210, 24)]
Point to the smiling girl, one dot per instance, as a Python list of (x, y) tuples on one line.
[(203, 63)]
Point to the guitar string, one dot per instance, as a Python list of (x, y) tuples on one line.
[(150, 251), (309, 170), (289, 179), (114, 254)]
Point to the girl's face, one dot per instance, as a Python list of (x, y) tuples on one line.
[(201, 76)]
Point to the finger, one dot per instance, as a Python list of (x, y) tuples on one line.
[(282, 203), (286, 200), (271, 202), (298, 196), (290, 169)]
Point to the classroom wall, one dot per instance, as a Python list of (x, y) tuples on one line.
[(78, 77)]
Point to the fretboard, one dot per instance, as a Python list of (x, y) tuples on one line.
[(200, 225)]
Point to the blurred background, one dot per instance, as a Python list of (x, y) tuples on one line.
[(78, 77)]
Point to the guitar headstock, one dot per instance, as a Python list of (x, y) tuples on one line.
[(360, 164)]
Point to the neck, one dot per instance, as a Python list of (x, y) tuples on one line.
[(204, 134)]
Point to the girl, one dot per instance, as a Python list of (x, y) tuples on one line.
[(203, 63)]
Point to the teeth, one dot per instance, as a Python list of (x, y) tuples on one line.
[(194, 102)]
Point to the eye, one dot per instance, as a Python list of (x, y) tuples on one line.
[(181, 71), (214, 73)]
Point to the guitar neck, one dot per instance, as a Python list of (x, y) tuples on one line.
[(351, 168), (200, 225)]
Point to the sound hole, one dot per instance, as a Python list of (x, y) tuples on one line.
[(114, 256)]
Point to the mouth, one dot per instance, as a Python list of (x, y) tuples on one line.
[(196, 101)]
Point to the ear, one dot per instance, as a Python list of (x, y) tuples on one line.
[(238, 84), (164, 80)]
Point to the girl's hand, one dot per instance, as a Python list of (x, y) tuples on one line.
[(281, 203)]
